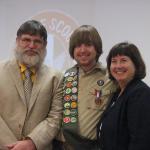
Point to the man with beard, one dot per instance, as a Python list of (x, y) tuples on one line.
[(29, 121)]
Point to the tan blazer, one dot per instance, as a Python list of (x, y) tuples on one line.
[(43, 118)]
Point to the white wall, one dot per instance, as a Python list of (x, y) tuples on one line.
[(116, 21)]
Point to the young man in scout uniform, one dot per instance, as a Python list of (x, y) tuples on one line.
[(87, 90)]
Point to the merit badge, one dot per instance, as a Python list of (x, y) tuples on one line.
[(100, 82), (73, 119), (69, 84), (66, 74), (73, 112), (73, 105), (66, 119), (74, 83), (69, 78), (67, 97), (67, 105), (66, 112), (72, 73), (68, 90), (74, 97), (74, 90), (75, 78)]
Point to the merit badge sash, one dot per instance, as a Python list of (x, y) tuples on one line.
[(70, 98)]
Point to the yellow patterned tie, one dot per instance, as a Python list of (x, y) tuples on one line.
[(28, 85)]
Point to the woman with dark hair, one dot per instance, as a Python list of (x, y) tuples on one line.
[(125, 124)]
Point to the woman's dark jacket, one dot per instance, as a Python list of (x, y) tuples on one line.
[(125, 125)]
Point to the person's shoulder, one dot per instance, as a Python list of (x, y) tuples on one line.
[(51, 71), (142, 84), (139, 86), (101, 68), (4, 63), (72, 70), (138, 91)]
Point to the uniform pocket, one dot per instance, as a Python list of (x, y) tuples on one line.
[(101, 102)]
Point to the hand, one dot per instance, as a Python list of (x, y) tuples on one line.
[(22, 145), (3, 147)]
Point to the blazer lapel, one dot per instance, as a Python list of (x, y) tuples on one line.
[(40, 77), (15, 75)]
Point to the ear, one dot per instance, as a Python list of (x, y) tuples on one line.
[(45, 43), (17, 39)]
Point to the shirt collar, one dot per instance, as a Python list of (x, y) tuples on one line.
[(23, 68), (98, 66)]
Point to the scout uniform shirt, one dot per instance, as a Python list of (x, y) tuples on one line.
[(94, 90)]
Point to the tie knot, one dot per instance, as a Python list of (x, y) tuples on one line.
[(28, 73)]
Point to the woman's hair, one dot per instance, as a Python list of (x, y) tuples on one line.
[(85, 34), (130, 50)]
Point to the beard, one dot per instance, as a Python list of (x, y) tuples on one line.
[(35, 60)]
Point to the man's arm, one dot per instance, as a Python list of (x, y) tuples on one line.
[(44, 133)]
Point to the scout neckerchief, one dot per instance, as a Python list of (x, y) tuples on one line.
[(70, 99)]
